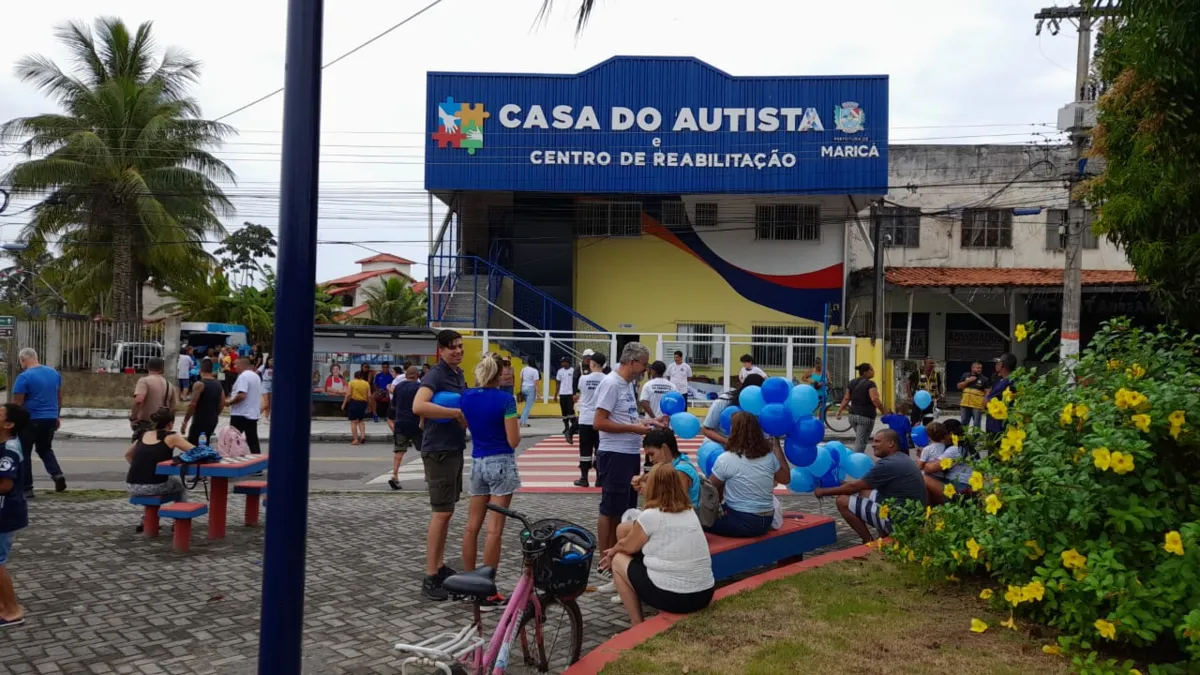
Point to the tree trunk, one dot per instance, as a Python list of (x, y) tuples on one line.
[(124, 279)]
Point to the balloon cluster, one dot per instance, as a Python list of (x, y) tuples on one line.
[(784, 412)]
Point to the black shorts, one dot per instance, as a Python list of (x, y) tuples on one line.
[(589, 439), (615, 471), (356, 411), (444, 479), (665, 601), (402, 441)]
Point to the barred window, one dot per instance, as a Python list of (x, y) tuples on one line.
[(608, 219), (787, 222), (900, 226), (706, 346), (1056, 230), (987, 228), (706, 214), (769, 347)]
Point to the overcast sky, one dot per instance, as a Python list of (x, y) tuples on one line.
[(953, 64)]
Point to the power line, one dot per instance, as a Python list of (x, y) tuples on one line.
[(256, 101)]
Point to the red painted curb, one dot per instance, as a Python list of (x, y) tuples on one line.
[(620, 643)]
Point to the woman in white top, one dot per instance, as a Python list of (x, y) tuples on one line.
[(662, 558)]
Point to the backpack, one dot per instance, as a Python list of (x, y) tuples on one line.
[(709, 508), (201, 454), (230, 442)]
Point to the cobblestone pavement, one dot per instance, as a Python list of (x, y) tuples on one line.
[(101, 599)]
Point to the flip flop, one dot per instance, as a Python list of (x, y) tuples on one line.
[(5, 623)]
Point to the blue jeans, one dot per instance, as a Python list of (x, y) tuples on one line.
[(38, 435), (738, 524), (529, 393), (969, 416)]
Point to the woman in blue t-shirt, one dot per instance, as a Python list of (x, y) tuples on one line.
[(492, 418), (662, 448), (746, 474)]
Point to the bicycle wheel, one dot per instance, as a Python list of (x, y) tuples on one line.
[(832, 421), (562, 639)]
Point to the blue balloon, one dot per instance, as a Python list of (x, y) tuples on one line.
[(857, 465), (808, 430), (712, 459), (672, 402), (751, 399), (727, 418), (822, 463), (922, 399), (920, 436), (446, 399), (799, 454), (685, 425), (840, 451), (830, 479), (776, 390), (802, 481), (802, 400), (775, 419)]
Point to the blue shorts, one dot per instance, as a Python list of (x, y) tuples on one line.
[(495, 475), (6, 542)]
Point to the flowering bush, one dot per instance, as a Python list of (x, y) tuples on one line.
[(1086, 510)]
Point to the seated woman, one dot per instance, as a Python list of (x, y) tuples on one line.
[(156, 445), (941, 448), (662, 448), (662, 558), (746, 475)]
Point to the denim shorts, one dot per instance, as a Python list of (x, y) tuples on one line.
[(6, 542), (495, 475)]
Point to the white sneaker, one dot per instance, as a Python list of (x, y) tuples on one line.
[(616, 600), (610, 587)]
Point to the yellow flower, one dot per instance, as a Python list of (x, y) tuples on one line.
[(925, 561), (1114, 364), (973, 548), (1021, 332), (946, 463), (1053, 650), (1122, 462), (1142, 422), (1006, 452), (1034, 590), (949, 490), (1129, 399), (1007, 395), (978, 626), (941, 525), (896, 546), (976, 481), (1014, 595), (1107, 629), (1015, 434), (1010, 624), (884, 511), (1135, 371), (1082, 411), (951, 577), (1068, 413), (1037, 551), (1174, 543), (954, 439), (1134, 671), (928, 512), (1177, 418), (1101, 458), (912, 557), (997, 410), (956, 556), (992, 504), (985, 594), (1073, 559), (1079, 454)]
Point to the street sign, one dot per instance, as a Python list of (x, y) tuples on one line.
[(7, 332), (8, 321)]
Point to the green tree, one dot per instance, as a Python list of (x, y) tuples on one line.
[(130, 186), (243, 249), (393, 303), (1148, 132), (327, 309), (582, 14)]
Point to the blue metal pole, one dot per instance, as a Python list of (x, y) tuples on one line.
[(279, 646)]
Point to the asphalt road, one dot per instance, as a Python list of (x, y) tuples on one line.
[(333, 466)]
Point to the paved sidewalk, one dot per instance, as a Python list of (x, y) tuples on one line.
[(100, 599)]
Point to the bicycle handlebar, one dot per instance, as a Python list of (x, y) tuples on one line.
[(509, 513)]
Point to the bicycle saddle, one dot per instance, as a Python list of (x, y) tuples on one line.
[(480, 583)]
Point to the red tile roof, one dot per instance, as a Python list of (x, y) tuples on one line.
[(340, 290), (352, 312), (385, 258), (356, 279), (420, 286), (987, 276)]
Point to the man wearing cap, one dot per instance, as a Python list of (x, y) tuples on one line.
[(566, 399), (1005, 365)]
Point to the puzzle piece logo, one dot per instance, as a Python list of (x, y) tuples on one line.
[(460, 125)]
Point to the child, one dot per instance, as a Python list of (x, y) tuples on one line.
[(899, 423), (940, 448), (931, 455), (13, 511)]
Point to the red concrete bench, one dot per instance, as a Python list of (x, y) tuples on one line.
[(800, 534), (150, 505), (254, 491), (183, 513)]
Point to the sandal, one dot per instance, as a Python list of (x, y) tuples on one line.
[(5, 623)]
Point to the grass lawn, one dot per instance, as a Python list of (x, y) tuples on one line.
[(859, 616)]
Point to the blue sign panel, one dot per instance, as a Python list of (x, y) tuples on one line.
[(655, 125)]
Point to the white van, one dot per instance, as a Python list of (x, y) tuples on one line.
[(123, 356)]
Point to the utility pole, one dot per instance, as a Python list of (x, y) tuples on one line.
[(1078, 117)]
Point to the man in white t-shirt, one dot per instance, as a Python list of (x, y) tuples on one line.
[(653, 391), (565, 377), (748, 368), (529, 380), (620, 442), (184, 372), (245, 403), (679, 372), (589, 385)]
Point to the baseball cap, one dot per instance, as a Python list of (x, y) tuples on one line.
[(588, 352)]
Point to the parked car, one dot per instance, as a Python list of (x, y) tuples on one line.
[(124, 356)]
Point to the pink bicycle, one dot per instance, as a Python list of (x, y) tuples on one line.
[(541, 629)]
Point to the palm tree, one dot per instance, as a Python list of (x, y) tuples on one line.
[(130, 187), (581, 15), (327, 309), (393, 303)]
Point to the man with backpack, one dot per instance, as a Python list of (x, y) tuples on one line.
[(151, 392)]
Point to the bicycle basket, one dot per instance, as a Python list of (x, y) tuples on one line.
[(560, 568)]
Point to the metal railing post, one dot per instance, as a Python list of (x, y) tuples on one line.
[(789, 359), (546, 372), (725, 361), (485, 340), (658, 350), (613, 356)]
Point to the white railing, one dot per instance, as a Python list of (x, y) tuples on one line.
[(798, 352)]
